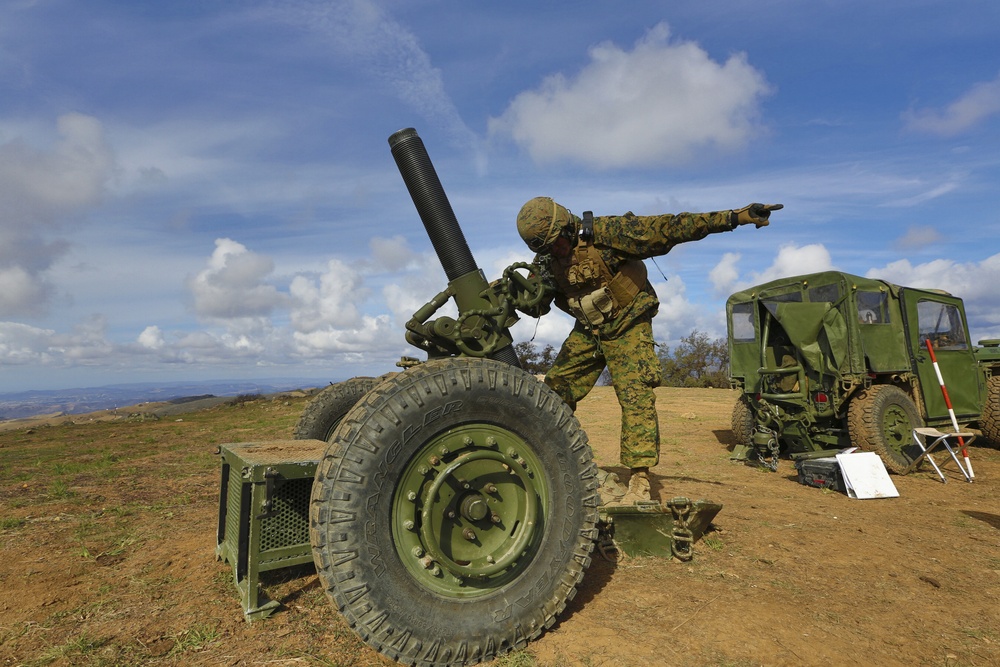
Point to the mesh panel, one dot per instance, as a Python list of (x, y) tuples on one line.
[(233, 498), (290, 525)]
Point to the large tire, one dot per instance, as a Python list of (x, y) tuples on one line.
[(881, 420), (325, 411), (454, 512), (990, 422), (743, 421)]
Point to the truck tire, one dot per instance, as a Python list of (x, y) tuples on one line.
[(743, 421), (990, 423), (881, 420), (324, 412), (454, 512)]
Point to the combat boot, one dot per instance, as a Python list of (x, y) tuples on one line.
[(610, 489), (638, 487)]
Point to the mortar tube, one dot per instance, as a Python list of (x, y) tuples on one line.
[(439, 219)]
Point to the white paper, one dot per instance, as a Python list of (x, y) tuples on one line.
[(865, 476)]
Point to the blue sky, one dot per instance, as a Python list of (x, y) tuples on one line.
[(196, 190)]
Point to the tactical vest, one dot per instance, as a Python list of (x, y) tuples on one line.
[(595, 295)]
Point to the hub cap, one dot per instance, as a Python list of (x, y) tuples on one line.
[(469, 509)]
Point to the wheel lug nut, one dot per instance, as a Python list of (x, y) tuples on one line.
[(411, 496), (491, 441), (423, 470), (512, 453), (469, 534), (434, 460), (417, 552), (408, 524), (467, 441), (450, 514), (490, 488), (490, 559), (495, 518)]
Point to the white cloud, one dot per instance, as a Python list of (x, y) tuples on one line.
[(151, 338), (41, 189), (24, 344), (793, 260), (979, 103), (724, 275), (329, 303), (373, 336), (21, 293), (974, 282), (233, 284), (660, 103)]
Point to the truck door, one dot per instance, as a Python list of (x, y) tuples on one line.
[(941, 319)]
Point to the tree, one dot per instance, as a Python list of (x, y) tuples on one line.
[(697, 362), (533, 361)]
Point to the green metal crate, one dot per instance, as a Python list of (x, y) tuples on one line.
[(264, 512)]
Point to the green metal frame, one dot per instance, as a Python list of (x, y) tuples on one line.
[(264, 513)]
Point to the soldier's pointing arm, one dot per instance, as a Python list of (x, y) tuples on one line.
[(653, 235)]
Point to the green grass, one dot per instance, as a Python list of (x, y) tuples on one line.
[(195, 638)]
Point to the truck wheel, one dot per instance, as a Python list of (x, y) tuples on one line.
[(743, 421), (882, 420), (454, 512), (990, 424), (324, 412)]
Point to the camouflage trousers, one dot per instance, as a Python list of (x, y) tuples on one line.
[(635, 371)]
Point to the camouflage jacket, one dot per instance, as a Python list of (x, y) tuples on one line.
[(623, 237)]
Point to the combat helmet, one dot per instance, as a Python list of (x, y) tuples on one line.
[(540, 221)]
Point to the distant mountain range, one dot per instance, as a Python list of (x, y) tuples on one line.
[(91, 399)]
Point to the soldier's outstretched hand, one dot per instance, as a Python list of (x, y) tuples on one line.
[(756, 214)]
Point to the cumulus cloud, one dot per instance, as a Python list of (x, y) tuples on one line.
[(793, 260), (724, 275), (23, 344), (979, 103), (42, 188), (660, 103), (151, 338), (330, 302), (233, 285), (974, 282)]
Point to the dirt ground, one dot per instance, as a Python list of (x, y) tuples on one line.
[(108, 528)]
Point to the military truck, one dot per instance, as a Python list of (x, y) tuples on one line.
[(830, 360)]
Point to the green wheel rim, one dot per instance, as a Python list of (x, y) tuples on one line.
[(896, 428), (468, 513)]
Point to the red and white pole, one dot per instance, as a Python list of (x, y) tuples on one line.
[(951, 411)]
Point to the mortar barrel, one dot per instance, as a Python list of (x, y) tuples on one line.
[(441, 224), (432, 203)]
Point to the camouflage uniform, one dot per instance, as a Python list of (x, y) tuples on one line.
[(624, 340)]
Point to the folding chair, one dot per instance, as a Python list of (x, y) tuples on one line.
[(937, 438)]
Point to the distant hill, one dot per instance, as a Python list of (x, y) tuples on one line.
[(19, 405)]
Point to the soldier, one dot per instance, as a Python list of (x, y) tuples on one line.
[(592, 268)]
